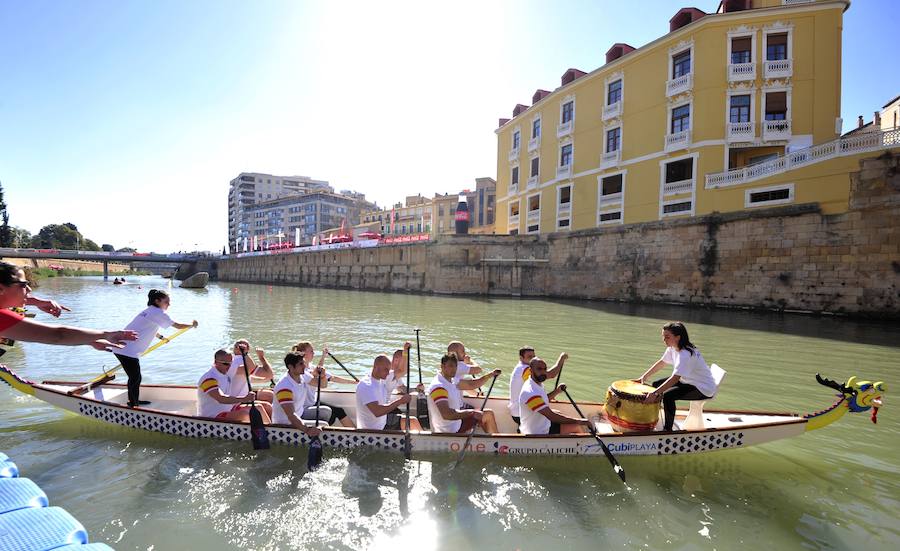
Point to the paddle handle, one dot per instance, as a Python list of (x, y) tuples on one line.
[(418, 355)]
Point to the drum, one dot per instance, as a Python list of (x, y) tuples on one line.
[(625, 408)]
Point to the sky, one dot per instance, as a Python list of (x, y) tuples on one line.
[(129, 119)]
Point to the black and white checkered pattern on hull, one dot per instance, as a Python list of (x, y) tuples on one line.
[(692, 443)]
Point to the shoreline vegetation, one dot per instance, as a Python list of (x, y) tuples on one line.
[(36, 274)]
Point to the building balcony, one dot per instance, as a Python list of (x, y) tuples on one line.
[(776, 130), (534, 217), (610, 158), (534, 144), (612, 111), (611, 199), (738, 72), (563, 210), (778, 68), (532, 182), (564, 171), (513, 189), (514, 154), (513, 221), (565, 129), (676, 188), (740, 131), (678, 140), (679, 85)]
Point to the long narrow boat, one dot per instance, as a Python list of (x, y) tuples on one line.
[(173, 411)]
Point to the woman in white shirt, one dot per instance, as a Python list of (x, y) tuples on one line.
[(691, 378)]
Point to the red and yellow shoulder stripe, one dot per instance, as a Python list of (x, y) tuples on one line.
[(535, 403), (440, 393), (526, 373), (208, 384), (284, 395)]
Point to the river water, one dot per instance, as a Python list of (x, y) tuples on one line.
[(837, 488)]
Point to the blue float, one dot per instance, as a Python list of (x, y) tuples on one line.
[(20, 493), (8, 469)]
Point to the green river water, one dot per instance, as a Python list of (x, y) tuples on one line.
[(836, 488)]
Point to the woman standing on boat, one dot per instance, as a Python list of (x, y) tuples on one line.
[(14, 292), (146, 324), (691, 378)]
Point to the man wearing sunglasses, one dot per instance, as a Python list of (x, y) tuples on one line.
[(212, 400)]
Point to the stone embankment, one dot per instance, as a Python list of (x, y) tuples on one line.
[(787, 258), (83, 265)]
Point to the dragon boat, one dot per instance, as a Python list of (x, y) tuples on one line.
[(173, 411)]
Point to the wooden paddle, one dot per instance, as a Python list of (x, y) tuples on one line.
[(421, 401), (109, 375), (407, 443), (342, 365), (314, 458), (462, 452), (612, 459), (258, 434)]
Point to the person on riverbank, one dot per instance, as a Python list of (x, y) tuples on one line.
[(146, 324), (259, 373), (339, 413), (464, 363), (534, 404), (290, 395), (445, 402), (14, 292), (691, 378), (374, 407), (212, 398), (522, 373)]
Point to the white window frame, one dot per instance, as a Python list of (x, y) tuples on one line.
[(516, 132), (515, 167), (748, 192), (742, 33), (533, 120), (676, 50), (601, 209), (770, 89), (778, 28), (675, 105), (752, 92), (571, 186), (562, 103), (679, 198), (606, 130), (527, 201)]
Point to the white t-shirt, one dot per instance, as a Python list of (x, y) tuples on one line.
[(532, 400), (147, 323), (462, 369), (311, 387), (441, 389), (369, 390), (238, 377), (212, 380), (289, 392), (692, 369), (520, 374)]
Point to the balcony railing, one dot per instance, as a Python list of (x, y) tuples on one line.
[(513, 188), (738, 72), (514, 154), (534, 144), (532, 182), (778, 68), (741, 131), (611, 199), (678, 140), (681, 186), (534, 217), (776, 130), (563, 209), (680, 84), (613, 110), (610, 158), (851, 145), (792, 2), (514, 220), (564, 129), (564, 171)]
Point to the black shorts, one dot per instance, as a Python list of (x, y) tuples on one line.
[(393, 421), (554, 428)]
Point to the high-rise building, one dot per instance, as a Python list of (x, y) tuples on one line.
[(250, 188), (727, 111)]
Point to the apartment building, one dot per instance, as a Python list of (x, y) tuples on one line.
[(727, 111), (411, 216), (250, 188), (482, 206)]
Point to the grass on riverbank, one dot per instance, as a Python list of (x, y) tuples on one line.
[(41, 273)]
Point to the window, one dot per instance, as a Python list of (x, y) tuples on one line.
[(741, 49), (440, 210), (514, 232), (612, 139), (740, 109), (771, 195), (536, 128), (614, 92), (677, 207), (515, 140), (568, 111), (514, 208), (533, 228), (681, 64), (565, 195), (535, 166), (678, 171), (609, 216), (776, 106), (776, 47), (611, 185), (565, 155), (564, 223), (681, 119), (534, 203), (515, 176)]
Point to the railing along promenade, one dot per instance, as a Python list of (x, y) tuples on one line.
[(850, 145), (100, 256)]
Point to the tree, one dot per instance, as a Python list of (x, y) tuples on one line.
[(126, 250), (5, 233), (20, 238), (108, 248)]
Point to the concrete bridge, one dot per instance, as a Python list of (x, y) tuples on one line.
[(183, 262)]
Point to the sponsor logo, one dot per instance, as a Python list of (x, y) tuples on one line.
[(630, 447)]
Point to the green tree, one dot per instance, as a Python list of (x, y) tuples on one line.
[(126, 250), (108, 248), (21, 238), (5, 233)]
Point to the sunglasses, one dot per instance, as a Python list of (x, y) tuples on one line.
[(224, 363), (21, 284)]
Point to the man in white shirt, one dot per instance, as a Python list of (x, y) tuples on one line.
[(290, 395), (374, 408), (534, 404), (259, 373), (464, 363), (445, 403), (522, 373), (212, 398)]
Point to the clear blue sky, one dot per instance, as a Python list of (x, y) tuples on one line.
[(129, 118)]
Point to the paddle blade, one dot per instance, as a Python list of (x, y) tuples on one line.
[(258, 434), (315, 454)]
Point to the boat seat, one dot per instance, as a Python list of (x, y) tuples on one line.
[(694, 419), (309, 416)]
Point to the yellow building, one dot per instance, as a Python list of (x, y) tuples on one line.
[(413, 217), (482, 208), (734, 110)]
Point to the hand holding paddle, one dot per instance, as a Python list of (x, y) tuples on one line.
[(316, 451), (612, 459), (258, 434)]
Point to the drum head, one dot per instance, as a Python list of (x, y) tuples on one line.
[(630, 387)]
